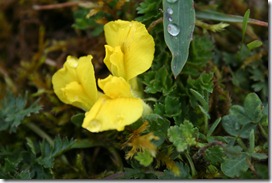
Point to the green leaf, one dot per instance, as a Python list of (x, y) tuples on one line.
[(254, 44), (172, 106), (221, 17), (144, 158), (214, 155), (85, 143), (201, 99), (78, 119), (158, 125), (245, 21), (203, 84), (183, 136), (259, 156), (178, 23), (14, 110), (253, 107), (251, 141), (241, 120), (147, 11), (48, 152), (233, 151), (213, 127), (158, 81), (232, 125), (170, 175), (234, 166)]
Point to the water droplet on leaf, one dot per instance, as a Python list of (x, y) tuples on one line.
[(170, 19), (173, 29), (236, 126), (172, 1), (170, 11)]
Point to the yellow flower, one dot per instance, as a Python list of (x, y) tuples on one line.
[(114, 110), (129, 50), (75, 83)]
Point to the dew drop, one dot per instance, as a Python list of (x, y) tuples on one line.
[(120, 119), (172, 1), (170, 19), (72, 63), (236, 126), (173, 29), (169, 11), (95, 125)]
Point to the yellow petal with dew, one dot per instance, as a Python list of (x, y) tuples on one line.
[(115, 87), (136, 44), (112, 114)]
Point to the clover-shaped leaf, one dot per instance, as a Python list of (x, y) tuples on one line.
[(233, 167), (253, 107), (242, 119)]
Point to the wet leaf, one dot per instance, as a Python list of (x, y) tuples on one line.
[(178, 23)]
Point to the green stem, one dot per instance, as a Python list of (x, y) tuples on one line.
[(150, 99), (116, 158), (263, 131), (191, 164), (206, 125), (40, 132), (45, 136), (241, 143)]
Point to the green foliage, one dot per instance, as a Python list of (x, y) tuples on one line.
[(245, 21), (209, 122), (242, 119), (49, 152), (158, 125), (183, 136), (13, 111), (148, 11), (254, 44), (249, 70), (234, 166), (214, 155), (32, 162), (144, 158)]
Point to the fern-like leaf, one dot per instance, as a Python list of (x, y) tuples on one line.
[(13, 111)]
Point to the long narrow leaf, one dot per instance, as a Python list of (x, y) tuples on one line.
[(221, 17), (245, 21), (178, 23)]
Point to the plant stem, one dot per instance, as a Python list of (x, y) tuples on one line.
[(55, 6), (263, 131), (191, 164), (241, 143), (45, 136), (116, 159), (40, 132)]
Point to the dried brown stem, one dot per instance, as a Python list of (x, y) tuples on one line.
[(55, 6)]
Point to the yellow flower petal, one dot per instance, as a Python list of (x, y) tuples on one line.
[(75, 84), (114, 60), (115, 87), (112, 114), (136, 44)]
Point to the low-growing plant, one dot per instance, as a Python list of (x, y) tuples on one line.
[(163, 91)]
